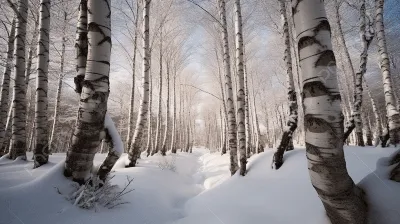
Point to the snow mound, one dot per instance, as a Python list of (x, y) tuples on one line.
[(198, 190)]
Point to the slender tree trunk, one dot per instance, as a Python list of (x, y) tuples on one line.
[(341, 198), (59, 87), (94, 96), (81, 45), (247, 115), (391, 110), (5, 87), (241, 99), (367, 35), (287, 136), (174, 136), (134, 152), (32, 50), (225, 117), (368, 133), (18, 136), (232, 126), (166, 131), (159, 115), (41, 150), (150, 118), (378, 122), (131, 106)]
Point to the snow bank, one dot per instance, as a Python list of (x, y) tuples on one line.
[(279, 197), (198, 191)]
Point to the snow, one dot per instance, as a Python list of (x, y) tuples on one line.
[(195, 188), (113, 132)]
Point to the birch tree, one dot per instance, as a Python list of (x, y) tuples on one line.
[(241, 132), (41, 150), (60, 81), (384, 63), (291, 126), (159, 113), (95, 91), (134, 151), (132, 100), (232, 127), (342, 200), (5, 86), (167, 119), (18, 136), (367, 35)]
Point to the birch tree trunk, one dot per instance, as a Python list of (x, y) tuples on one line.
[(131, 105), (378, 122), (232, 126), (159, 114), (5, 86), (247, 114), (6, 143), (391, 110), (81, 45), (225, 114), (341, 198), (241, 100), (367, 35), (166, 131), (95, 91), (18, 136), (60, 84), (150, 127), (134, 151), (32, 50), (41, 150), (287, 136), (174, 136)]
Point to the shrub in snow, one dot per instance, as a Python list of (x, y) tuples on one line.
[(168, 164), (96, 193)]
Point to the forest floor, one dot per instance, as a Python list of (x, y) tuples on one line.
[(195, 189)]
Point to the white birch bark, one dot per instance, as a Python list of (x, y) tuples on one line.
[(174, 135), (159, 114), (378, 122), (18, 135), (342, 200), (141, 122), (287, 135), (166, 131), (41, 150), (247, 114), (232, 126), (60, 85), (81, 46), (131, 105), (149, 145), (95, 91), (5, 86), (391, 110), (366, 34), (240, 97), (32, 50)]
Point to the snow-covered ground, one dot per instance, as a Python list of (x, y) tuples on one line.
[(195, 189)]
